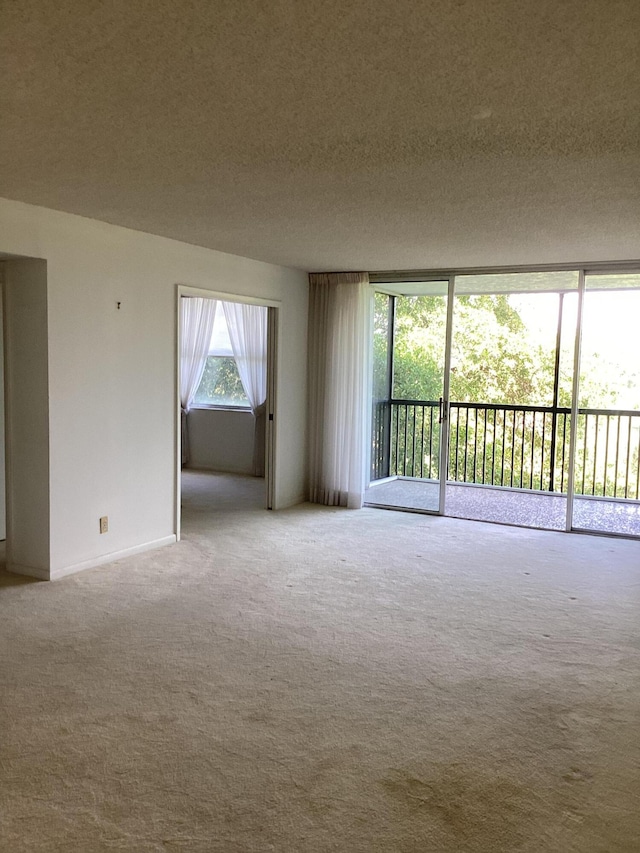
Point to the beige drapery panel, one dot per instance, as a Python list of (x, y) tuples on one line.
[(339, 318)]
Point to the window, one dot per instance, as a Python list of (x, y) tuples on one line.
[(220, 384)]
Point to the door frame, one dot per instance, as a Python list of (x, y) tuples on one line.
[(446, 384), (443, 452), (585, 271), (273, 326)]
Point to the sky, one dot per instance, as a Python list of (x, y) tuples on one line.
[(611, 330)]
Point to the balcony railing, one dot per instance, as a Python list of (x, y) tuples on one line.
[(523, 447)]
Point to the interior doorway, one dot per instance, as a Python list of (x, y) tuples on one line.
[(3, 486), (510, 397), (226, 402), (26, 415)]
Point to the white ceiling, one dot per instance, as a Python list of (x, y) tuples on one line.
[(365, 134)]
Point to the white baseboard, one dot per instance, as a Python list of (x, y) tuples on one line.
[(295, 501), (28, 571), (55, 574), (111, 558)]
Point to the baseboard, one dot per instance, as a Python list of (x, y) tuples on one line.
[(112, 557), (295, 501), (55, 574), (194, 469), (28, 571)]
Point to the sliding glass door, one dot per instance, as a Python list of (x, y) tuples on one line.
[(607, 443), (411, 323), (511, 397), (511, 380)]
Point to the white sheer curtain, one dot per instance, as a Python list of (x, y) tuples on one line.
[(339, 321), (247, 325), (196, 324)]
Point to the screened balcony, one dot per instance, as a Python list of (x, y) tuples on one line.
[(509, 463), (502, 461)]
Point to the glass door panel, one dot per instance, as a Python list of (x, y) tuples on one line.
[(408, 389), (606, 467), (383, 308), (510, 391)]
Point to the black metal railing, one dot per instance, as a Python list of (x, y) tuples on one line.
[(509, 446), (524, 447), (608, 453)]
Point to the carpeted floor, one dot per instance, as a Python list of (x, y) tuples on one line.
[(325, 680)]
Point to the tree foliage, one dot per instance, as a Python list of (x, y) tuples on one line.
[(493, 359), (496, 356), (221, 384), (501, 356)]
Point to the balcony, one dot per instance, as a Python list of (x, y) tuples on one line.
[(509, 463)]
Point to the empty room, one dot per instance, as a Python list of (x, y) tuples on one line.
[(321, 427)]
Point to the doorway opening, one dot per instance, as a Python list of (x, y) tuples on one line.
[(26, 483), (511, 397), (226, 361)]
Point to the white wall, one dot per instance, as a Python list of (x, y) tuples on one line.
[(112, 409), (221, 440)]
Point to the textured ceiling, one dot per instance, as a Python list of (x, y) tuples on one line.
[(366, 134)]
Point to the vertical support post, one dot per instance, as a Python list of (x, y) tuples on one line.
[(270, 431), (444, 426), (391, 336), (574, 403), (556, 395)]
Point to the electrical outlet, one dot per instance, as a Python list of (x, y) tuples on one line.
[(104, 524)]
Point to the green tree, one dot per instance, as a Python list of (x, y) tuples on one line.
[(221, 384), (494, 359)]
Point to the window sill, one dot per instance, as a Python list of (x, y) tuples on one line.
[(220, 408)]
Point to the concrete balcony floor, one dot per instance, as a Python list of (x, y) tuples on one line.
[(509, 506)]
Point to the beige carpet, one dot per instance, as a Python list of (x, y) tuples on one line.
[(326, 680)]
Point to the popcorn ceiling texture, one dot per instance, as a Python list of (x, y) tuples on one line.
[(323, 681), (331, 135)]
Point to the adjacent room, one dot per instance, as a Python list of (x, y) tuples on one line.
[(223, 375), (322, 427)]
